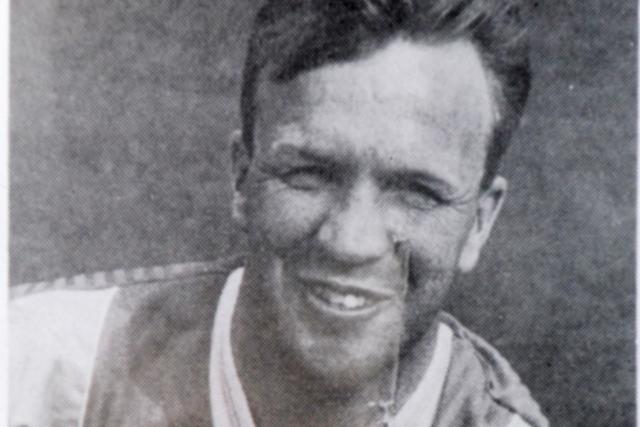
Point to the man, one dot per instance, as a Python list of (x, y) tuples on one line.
[(365, 178)]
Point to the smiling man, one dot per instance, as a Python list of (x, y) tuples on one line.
[(365, 179)]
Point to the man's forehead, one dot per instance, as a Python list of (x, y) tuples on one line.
[(441, 85), (393, 68), (451, 72), (402, 67)]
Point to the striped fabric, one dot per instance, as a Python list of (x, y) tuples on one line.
[(116, 278)]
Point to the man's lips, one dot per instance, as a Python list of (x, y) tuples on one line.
[(343, 296)]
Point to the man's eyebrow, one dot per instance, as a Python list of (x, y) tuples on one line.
[(294, 152)]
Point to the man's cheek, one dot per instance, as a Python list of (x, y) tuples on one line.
[(429, 283), (428, 269), (432, 265), (436, 239), (283, 218)]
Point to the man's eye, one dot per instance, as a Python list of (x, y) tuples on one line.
[(419, 197), (306, 178)]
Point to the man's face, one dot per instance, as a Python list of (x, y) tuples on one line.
[(356, 166)]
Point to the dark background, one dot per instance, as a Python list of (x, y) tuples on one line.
[(120, 112)]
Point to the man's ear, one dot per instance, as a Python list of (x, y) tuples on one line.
[(240, 161), (489, 205)]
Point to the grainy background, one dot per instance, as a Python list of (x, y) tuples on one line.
[(120, 112)]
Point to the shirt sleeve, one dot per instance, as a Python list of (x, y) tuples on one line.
[(53, 338)]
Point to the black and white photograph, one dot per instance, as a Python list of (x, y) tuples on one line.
[(322, 213)]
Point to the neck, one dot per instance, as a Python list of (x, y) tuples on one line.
[(280, 393)]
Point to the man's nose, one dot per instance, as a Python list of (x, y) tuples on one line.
[(355, 230)]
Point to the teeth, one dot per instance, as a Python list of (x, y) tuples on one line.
[(343, 301), (352, 301)]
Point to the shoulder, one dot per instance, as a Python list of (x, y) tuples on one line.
[(55, 328), (72, 309), (482, 387), (154, 347), (172, 296), (150, 319), (59, 303)]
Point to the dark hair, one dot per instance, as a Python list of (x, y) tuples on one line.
[(290, 37)]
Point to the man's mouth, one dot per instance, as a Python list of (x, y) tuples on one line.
[(342, 298)]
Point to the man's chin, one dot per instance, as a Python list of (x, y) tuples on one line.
[(339, 373), (340, 350), (338, 363)]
